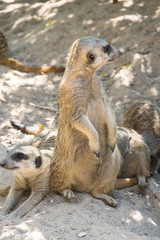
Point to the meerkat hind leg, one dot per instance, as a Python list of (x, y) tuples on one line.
[(106, 198), (142, 182), (67, 193)]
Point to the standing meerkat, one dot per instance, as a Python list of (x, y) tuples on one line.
[(14, 64), (84, 158), (144, 117)]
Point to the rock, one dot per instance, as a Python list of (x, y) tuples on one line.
[(6, 176), (81, 234)]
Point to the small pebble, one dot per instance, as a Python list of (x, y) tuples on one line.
[(82, 234)]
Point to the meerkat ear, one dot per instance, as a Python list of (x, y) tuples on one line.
[(91, 57), (38, 162)]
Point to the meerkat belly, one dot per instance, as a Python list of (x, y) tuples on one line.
[(96, 112), (84, 170)]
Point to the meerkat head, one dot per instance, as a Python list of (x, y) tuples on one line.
[(92, 52), (22, 157)]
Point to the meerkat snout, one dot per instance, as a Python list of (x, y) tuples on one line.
[(112, 52), (2, 164)]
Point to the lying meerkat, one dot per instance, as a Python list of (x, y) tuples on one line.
[(31, 167), (144, 118), (135, 154), (14, 64)]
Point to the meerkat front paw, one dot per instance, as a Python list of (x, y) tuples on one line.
[(67, 193), (97, 154), (112, 143), (112, 136), (112, 148), (94, 145)]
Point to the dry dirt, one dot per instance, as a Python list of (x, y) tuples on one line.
[(41, 32)]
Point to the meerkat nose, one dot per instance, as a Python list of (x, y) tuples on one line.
[(2, 164), (119, 53)]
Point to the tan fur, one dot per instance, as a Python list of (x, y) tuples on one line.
[(136, 159), (27, 129), (83, 158), (14, 64), (144, 117), (38, 179), (87, 125), (28, 176), (122, 183)]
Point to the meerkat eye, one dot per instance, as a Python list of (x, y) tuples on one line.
[(107, 49), (19, 156), (91, 57)]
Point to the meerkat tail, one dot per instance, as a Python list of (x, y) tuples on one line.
[(125, 183), (56, 68), (16, 65), (25, 129), (4, 191)]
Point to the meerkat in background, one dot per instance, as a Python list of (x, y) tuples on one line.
[(144, 117), (14, 64), (86, 157), (135, 154), (31, 167)]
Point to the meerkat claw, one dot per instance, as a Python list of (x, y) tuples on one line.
[(113, 203), (97, 154), (112, 148), (67, 193)]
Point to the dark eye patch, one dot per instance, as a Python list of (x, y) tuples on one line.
[(107, 49), (38, 162), (19, 156)]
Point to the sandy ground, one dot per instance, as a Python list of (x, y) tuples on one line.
[(41, 32)]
